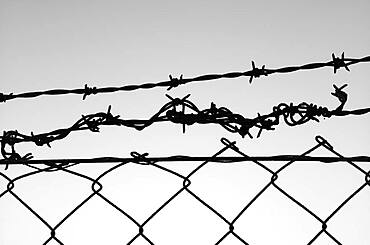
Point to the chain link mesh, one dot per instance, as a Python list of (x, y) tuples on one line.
[(232, 226)]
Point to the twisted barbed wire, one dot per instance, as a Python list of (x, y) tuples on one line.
[(143, 159), (255, 72), (292, 115)]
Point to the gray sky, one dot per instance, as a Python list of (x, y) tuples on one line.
[(65, 44)]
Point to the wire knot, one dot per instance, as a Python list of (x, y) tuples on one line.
[(14, 156), (5, 97), (243, 130), (177, 116), (339, 62), (140, 158), (92, 125), (88, 91), (319, 139), (256, 72), (175, 82), (10, 138), (110, 119), (39, 140), (229, 144), (367, 178)]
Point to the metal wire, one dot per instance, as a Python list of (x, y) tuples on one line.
[(98, 160), (292, 115), (142, 159), (336, 63)]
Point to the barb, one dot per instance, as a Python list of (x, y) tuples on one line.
[(175, 82), (292, 115), (255, 72), (88, 91)]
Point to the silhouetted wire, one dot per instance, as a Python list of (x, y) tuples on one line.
[(65, 163), (292, 115), (143, 159), (336, 63)]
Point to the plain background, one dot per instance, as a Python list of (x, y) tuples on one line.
[(66, 44)]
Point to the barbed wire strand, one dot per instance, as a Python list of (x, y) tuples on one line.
[(336, 63), (143, 159), (293, 115)]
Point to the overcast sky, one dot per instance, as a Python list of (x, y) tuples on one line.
[(67, 44)]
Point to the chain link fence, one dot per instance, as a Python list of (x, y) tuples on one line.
[(233, 199)]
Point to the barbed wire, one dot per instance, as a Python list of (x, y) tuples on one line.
[(255, 72), (292, 115), (232, 224)]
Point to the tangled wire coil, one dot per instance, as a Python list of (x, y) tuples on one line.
[(292, 115)]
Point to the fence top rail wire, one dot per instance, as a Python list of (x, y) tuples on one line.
[(273, 158), (335, 62), (143, 159)]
